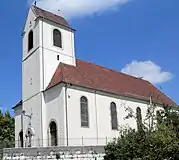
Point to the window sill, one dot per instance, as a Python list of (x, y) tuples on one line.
[(59, 48), (85, 127)]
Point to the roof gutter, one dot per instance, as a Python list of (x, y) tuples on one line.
[(127, 95)]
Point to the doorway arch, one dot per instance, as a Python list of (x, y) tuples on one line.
[(53, 134), (21, 141)]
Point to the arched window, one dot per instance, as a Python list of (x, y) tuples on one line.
[(57, 38), (21, 139), (30, 40), (53, 134), (84, 112), (139, 118), (114, 120)]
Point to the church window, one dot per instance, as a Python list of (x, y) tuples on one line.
[(139, 118), (159, 117), (84, 112), (114, 120), (57, 38), (53, 134), (30, 40)]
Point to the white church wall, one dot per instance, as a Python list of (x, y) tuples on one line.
[(18, 127), (33, 106), (80, 135), (100, 131), (104, 116), (54, 99), (30, 20), (31, 76)]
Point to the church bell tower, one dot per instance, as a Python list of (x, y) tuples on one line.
[(47, 41)]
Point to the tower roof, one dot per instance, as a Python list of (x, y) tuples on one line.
[(50, 16)]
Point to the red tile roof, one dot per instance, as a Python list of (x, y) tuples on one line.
[(50, 16), (96, 77)]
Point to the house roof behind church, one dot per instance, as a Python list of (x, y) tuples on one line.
[(50, 16), (96, 77), (18, 104)]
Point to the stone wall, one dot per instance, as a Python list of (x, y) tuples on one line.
[(53, 153)]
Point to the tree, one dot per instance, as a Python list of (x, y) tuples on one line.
[(158, 144), (170, 117), (7, 134)]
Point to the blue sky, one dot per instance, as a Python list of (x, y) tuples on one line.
[(142, 34)]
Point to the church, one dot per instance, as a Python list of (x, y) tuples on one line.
[(70, 102)]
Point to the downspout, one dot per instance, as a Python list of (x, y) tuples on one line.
[(42, 81), (96, 117), (66, 111), (73, 48)]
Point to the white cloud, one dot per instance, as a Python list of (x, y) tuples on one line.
[(148, 70), (75, 8)]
